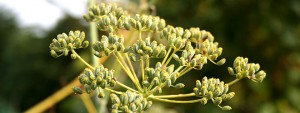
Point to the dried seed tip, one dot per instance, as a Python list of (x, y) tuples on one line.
[(179, 85), (226, 108), (77, 90), (230, 71), (221, 62)]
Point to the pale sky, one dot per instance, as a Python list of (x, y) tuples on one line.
[(43, 13)]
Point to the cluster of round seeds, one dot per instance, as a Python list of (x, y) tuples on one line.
[(108, 45), (129, 102), (213, 89), (241, 69), (176, 37), (101, 77), (161, 75), (150, 49), (147, 23), (65, 43)]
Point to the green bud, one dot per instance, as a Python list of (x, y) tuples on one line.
[(127, 26), (179, 85), (101, 94), (217, 100), (168, 83), (226, 108), (124, 98), (114, 98), (138, 26), (198, 84), (230, 71), (132, 107), (77, 90), (149, 104), (221, 62), (203, 101), (196, 91), (53, 54), (175, 56), (87, 88)]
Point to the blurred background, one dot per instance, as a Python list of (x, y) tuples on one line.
[(265, 31)]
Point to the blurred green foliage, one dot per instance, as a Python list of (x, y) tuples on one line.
[(265, 31)]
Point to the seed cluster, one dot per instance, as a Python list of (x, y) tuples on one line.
[(129, 102), (65, 43), (161, 75), (241, 69), (107, 45), (148, 49), (100, 78), (212, 89), (190, 48)]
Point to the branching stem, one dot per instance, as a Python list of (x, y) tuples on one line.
[(82, 60)]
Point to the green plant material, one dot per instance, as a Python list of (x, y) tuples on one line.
[(190, 48)]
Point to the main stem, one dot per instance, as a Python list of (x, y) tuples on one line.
[(94, 38)]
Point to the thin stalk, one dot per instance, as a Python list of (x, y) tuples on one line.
[(131, 66), (170, 58), (82, 60), (113, 91), (169, 51), (175, 96), (184, 71), (126, 87), (142, 67), (233, 82), (128, 72), (176, 101)]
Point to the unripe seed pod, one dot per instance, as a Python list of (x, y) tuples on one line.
[(124, 98), (203, 101), (198, 84), (179, 85), (217, 100), (230, 71), (101, 94), (226, 108), (53, 54), (221, 62), (77, 90), (87, 88), (114, 98), (196, 91)]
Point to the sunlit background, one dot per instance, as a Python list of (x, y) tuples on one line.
[(265, 31)]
